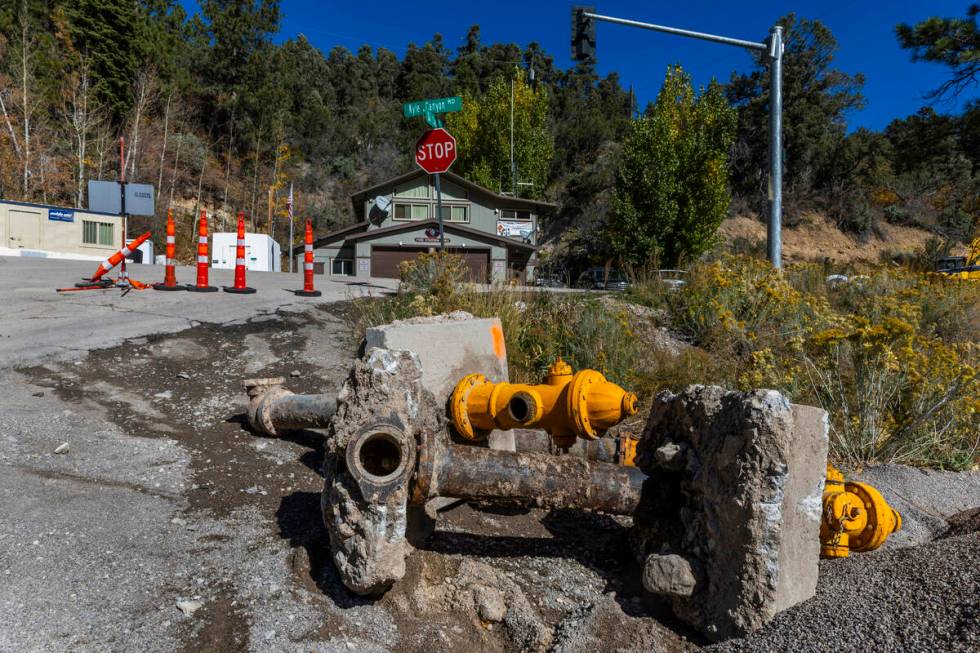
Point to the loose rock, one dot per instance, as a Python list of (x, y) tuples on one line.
[(189, 606)]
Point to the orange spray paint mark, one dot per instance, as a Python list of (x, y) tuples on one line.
[(499, 347)]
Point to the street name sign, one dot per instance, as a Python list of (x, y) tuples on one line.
[(430, 108)]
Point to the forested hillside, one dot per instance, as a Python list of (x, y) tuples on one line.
[(217, 115)]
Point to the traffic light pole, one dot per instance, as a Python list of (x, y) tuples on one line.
[(773, 46)]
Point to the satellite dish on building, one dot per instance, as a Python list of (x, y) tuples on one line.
[(382, 202), (379, 212)]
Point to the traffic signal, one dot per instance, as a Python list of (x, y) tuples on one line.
[(583, 35)]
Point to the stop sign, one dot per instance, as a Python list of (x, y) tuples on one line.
[(435, 151)]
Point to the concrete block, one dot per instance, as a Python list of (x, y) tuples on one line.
[(450, 347), (738, 499)]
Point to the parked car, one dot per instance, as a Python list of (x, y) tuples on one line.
[(549, 281), (596, 279)]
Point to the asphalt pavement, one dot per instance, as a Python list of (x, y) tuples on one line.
[(37, 323)]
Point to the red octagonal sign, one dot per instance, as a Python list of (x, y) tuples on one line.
[(435, 152)]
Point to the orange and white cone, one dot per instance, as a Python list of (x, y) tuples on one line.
[(116, 258), (308, 290), (240, 287), (170, 276), (202, 257)]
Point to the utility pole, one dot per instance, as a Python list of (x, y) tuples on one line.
[(583, 49), (513, 172)]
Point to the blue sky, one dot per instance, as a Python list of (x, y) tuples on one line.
[(864, 29)]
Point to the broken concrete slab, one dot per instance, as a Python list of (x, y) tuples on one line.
[(381, 410), (733, 503), (450, 347)]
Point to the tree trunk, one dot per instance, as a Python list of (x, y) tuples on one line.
[(173, 177), (163, 149), (26, 99)]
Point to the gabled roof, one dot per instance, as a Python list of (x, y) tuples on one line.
[(448, 226), (505, 201), (350, 232), (333, 235)]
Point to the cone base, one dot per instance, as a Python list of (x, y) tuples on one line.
[(89, 283), (307, 293), (164, 286), (239, 291), (201, 288)]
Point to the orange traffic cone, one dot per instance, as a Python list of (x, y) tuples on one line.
[(169, 277), (114, 260), (308, 290), (202, 257), (240, 287)]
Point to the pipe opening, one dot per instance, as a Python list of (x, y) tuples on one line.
[(380, 456), (521, 407)]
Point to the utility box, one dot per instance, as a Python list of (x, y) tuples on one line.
[(143, 254), (262, 253)]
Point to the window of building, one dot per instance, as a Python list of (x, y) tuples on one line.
[(97, 233), (415, 189), (411, 211), (342, 266), (455, 214), (515, 214)]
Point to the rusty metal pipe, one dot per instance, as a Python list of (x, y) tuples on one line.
[(272, 409), (540, 480)]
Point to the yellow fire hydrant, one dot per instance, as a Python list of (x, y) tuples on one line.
[(566, 405), (855, 517)]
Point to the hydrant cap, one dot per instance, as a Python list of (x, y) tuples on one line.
[(559, 368)]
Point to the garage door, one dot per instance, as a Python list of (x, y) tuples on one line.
[(478, 262), (385, 261)]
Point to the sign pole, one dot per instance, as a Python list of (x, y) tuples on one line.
[(442, 233), (122, 200), (290, 227)]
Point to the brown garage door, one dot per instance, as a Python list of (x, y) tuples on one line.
[(478, 262), (385, 261)]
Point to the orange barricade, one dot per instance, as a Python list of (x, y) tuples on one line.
[(170, 276), (240, 287), (202, 257), (308, 290)]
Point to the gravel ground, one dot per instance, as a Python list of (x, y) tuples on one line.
[(923, 598)]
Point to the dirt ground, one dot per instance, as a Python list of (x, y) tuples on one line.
[(228, 524), (261, 564), (816, 238)]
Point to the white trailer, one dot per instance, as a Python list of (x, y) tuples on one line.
[(262, 253)]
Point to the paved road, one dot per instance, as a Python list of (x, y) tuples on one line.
[(38, 323)]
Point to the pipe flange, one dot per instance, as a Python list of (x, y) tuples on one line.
[(380, 458), (424, 485), (578, 402), (882, 520), (261, 392), (458, 408)]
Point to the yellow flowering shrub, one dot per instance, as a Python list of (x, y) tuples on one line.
[(891, 354)]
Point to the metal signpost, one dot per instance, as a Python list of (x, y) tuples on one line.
[(435, 152), (583, 49)]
